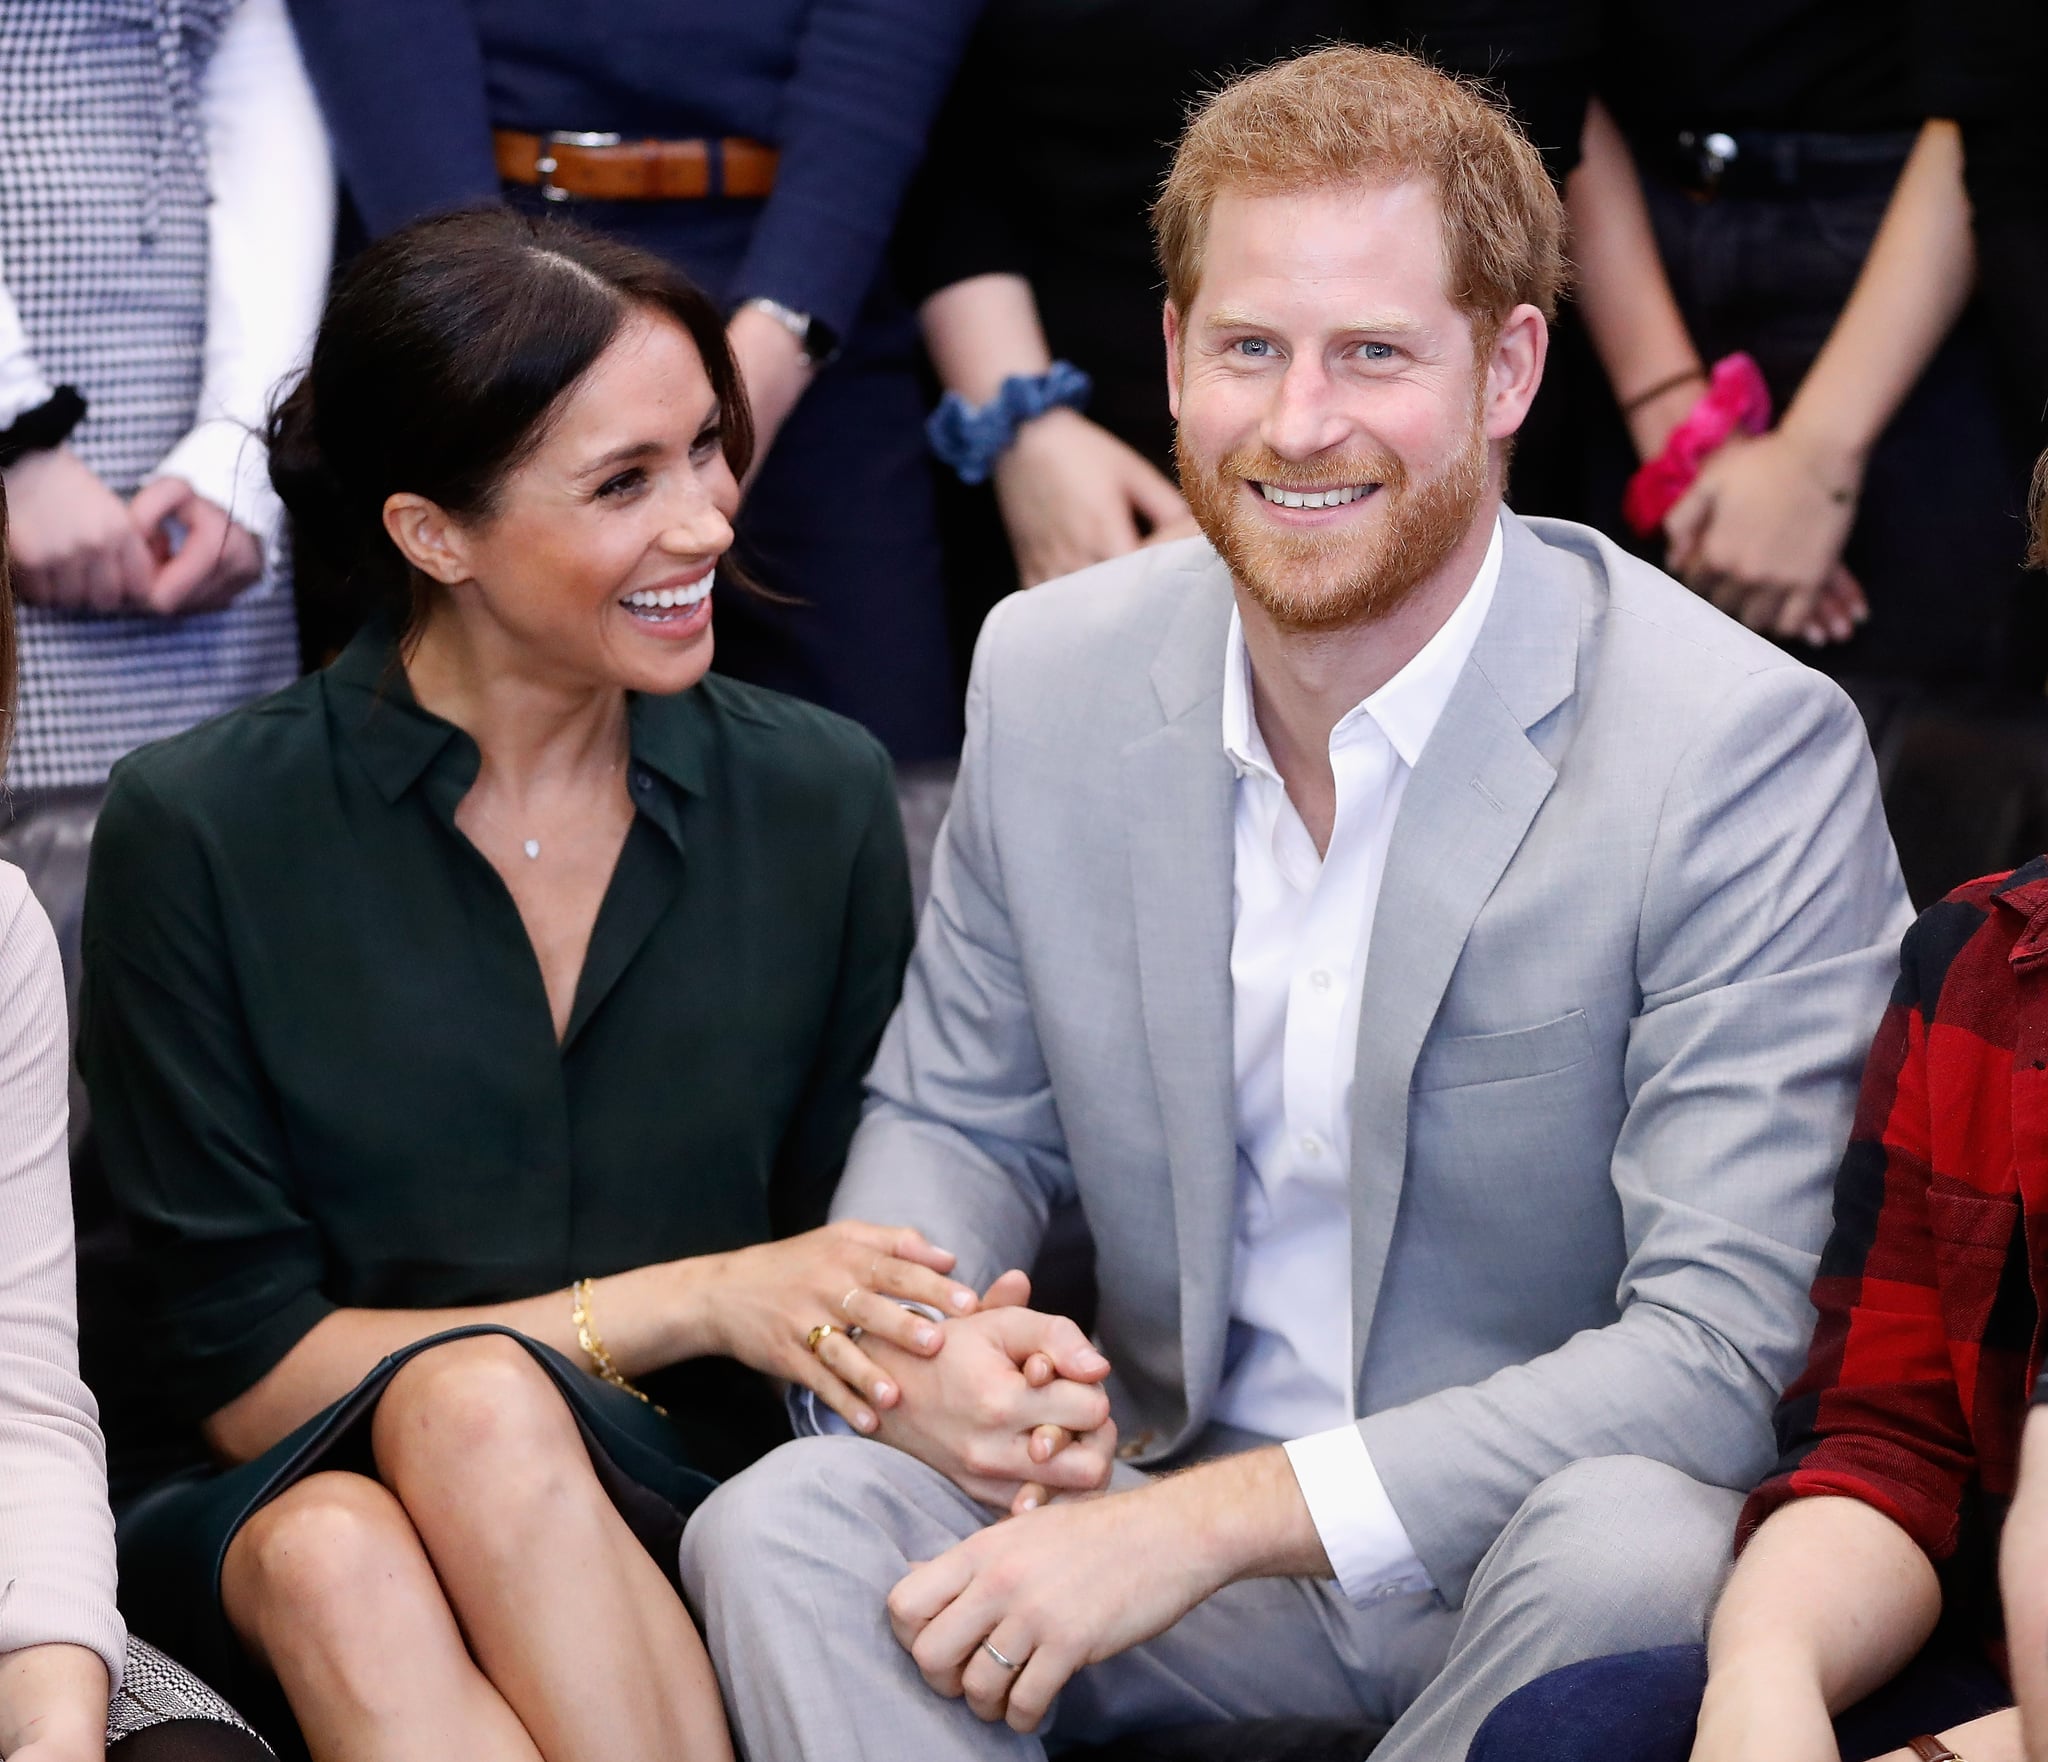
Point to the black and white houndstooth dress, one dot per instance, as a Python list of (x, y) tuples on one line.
[(103, 245), (155, 1691)]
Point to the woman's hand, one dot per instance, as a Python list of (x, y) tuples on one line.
[(206, 568), (75, 546), (1761, 534), (53, 1705), (762, 1302), (1072, 494)]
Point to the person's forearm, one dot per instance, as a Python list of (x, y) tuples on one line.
[(2023, 1574), (1637, 330), (1830, 1595), (981, 331), (653, 1316), (1994, 1738), (52, 1691), (1244, 1517), (1912, 287)]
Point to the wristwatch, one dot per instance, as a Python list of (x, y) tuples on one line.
[(818, 340)]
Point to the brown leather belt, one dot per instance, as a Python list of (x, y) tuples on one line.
[(605, 168)]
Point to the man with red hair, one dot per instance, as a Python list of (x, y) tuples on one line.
[(1434, 951)]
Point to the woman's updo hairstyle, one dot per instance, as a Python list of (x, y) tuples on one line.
[(443, 353)]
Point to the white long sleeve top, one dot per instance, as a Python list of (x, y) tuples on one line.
[(56, 1533)]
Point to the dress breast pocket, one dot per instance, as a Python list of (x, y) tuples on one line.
[(1460, 1061)]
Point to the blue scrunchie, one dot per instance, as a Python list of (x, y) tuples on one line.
[(972, 440)]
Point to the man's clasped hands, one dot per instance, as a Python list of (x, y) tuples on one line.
[(1007, 1404)]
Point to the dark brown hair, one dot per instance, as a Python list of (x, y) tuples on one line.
[(2037, 509), (443, 355)]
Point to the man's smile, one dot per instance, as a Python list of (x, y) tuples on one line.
[(1282, 497)]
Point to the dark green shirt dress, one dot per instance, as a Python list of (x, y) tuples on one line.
[(322, 1065)]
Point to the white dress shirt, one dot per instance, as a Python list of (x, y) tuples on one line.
[(269, 237), (1303, 924)]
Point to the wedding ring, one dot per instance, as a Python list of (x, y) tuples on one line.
[(818, 1336), (989, 1646), (846, 1302)]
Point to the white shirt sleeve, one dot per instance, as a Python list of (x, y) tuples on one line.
[(270, 244), (22, 385), (1361, 1532)]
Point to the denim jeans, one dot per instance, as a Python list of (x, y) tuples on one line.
[(1642, 1707)]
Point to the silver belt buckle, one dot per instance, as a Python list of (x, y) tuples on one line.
[(546, 164)]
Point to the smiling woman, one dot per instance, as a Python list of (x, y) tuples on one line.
[(476, 1030)]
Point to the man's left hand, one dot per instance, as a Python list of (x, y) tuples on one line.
[(1047, 1590), (211, 563)]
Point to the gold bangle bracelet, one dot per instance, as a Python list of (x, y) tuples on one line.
[(601, 1363)]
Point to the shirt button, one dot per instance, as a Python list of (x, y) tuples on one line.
[(1311, 1146), (1320, 979), (643, 780), (1382, 1592)]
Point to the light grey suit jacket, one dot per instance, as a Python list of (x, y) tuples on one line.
[(1639, 917)]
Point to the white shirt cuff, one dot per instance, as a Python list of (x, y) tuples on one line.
[(22, 385), (230, 467), (1364, 1537)]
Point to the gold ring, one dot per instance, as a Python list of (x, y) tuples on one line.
[(818, 1336)]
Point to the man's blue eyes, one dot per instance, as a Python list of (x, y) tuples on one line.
[(1259, 347)]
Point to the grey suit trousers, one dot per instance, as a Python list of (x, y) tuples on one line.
[(788, 1566)]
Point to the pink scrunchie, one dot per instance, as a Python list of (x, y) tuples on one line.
[(1736, 397)]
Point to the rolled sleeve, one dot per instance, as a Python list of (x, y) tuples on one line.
[(188, 1127), (1361, 1532)]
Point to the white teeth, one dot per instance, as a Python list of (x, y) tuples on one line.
[(1327, 498), (649, 599)]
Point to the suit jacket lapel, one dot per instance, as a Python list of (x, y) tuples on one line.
[(1468, 805), (1178, 808)]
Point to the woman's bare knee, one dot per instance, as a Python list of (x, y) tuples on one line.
[(311, 1565), (471, 1415)]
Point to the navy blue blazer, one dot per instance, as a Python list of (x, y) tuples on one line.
[(845, 88)]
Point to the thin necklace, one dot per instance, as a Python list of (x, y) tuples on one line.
[(531, 846)]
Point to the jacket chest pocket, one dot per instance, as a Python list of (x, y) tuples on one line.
[(1460, 1060)]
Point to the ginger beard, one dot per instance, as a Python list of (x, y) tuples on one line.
[(1329, 578)]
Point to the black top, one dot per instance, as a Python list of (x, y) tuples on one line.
[(321, 1059), (1833, 66), (1050, 150)]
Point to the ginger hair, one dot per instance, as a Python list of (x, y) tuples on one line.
[(1347, 116)]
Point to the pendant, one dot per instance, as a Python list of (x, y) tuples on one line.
[(532, 848)]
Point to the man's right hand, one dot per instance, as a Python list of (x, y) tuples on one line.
[(74, 545), (971, 1413)]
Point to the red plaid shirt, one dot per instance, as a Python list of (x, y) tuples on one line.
[(1929, 1290)]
